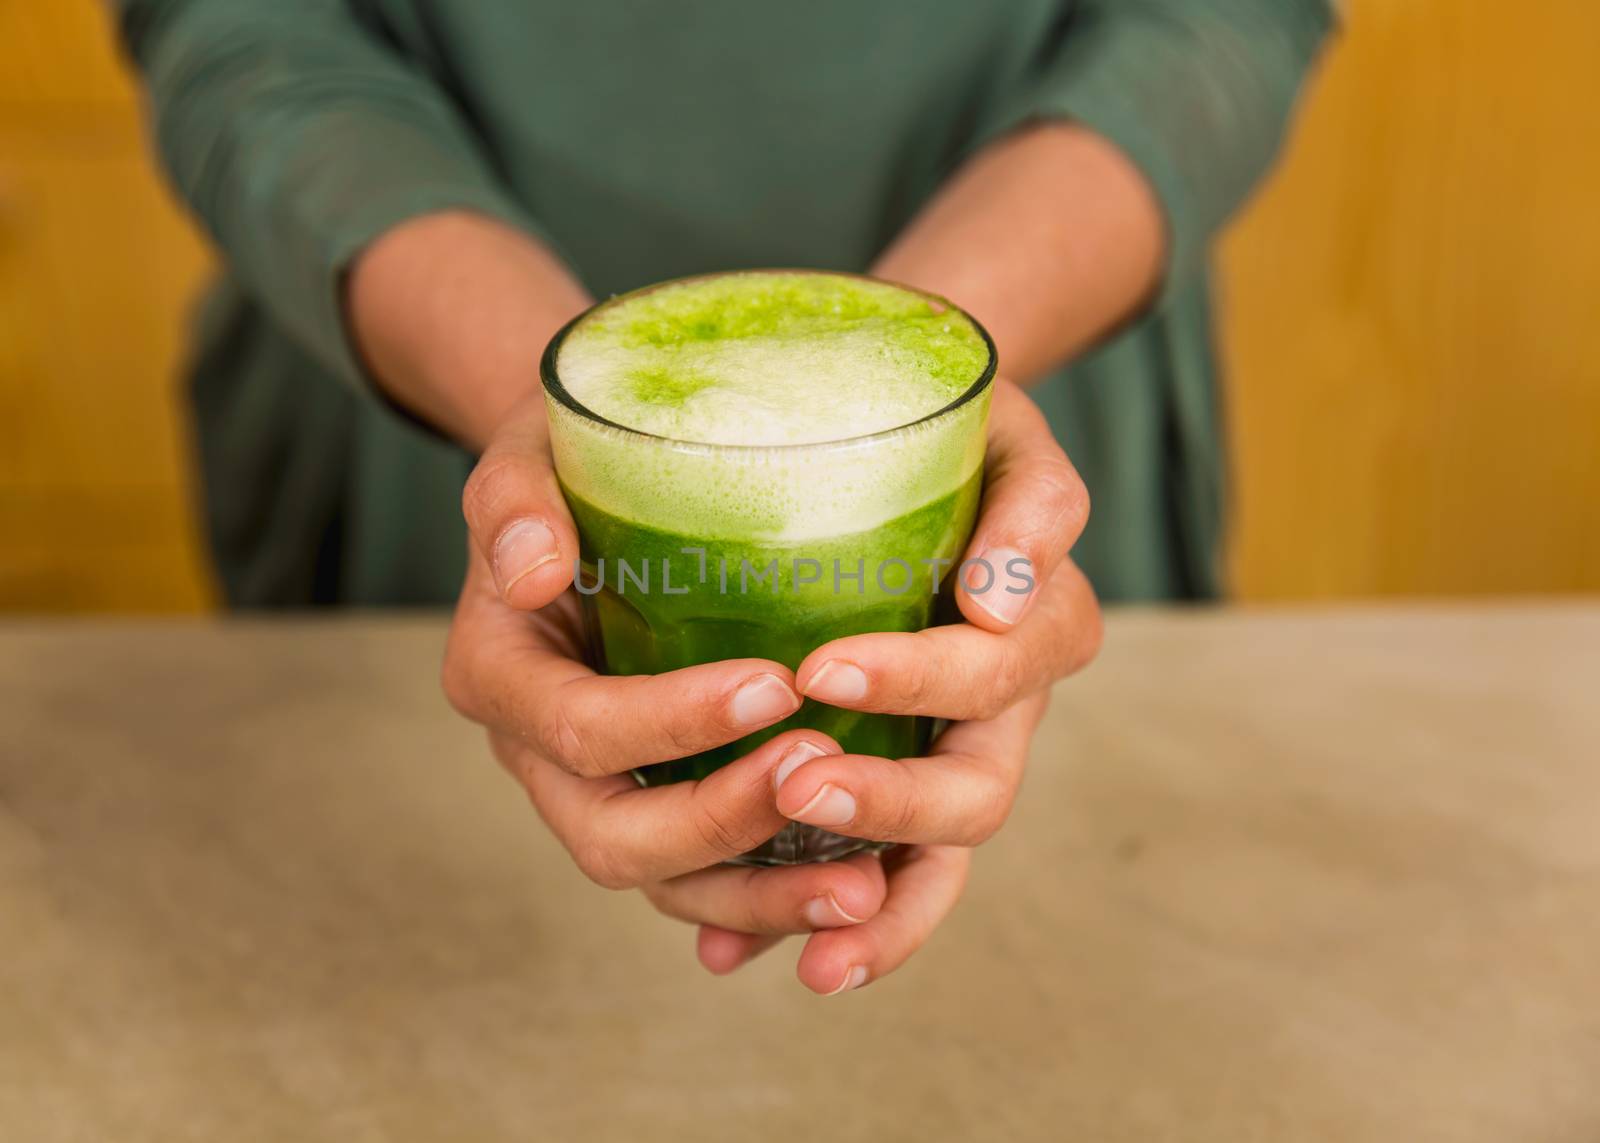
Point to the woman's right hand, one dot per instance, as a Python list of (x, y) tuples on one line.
[(515, 663), (447, 311)]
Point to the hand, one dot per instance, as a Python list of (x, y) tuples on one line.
[(992, 673), (514, 662)]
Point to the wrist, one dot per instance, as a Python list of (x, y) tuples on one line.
[(450, 312), (1071, 236)]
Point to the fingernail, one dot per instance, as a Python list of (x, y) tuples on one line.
[(825, 912), (795, 757), (524, 547), (838, 680), (855, 978), (829, 806), (764, 699), (1002, 583)]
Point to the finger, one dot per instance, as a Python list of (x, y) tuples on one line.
[(623, 836), (959, 671), (721, 950), (498, 673), (516, 514), (960, 794), (592, 725), (775, 901), (1034, 508), (924, 885)]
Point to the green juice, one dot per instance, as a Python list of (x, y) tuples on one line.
[(766, 600), (759, 463)]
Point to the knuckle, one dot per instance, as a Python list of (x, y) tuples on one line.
[(1061, 487), (991, 814), (1010, 674), (752, 912), (917, 682), (603, 865), (719, 836), (564, 743), (926, 675), (1061, 496), (1002, 683), (987, 707), (899, 815), (681, 738), (491, 484)]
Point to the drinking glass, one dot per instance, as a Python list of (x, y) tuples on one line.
[(693, 553)]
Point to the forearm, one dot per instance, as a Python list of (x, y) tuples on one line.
[(450, 313), (1048, 236)]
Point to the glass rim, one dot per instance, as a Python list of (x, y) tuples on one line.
[(554, 388)]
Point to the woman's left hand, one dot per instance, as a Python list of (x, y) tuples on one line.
[(990, 675)]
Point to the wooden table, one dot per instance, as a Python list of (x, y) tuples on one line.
[(1275, 876)]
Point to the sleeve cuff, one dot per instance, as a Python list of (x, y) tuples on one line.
[(330, 336), (1092, 93), (304, 243), (1197, 103)]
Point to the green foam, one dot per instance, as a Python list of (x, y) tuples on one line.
[(779, 405)]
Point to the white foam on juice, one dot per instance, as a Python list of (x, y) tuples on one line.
[(763, 361), (823, 385)]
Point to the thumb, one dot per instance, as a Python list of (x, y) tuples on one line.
[(516, 514)]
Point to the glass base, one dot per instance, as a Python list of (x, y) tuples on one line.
[(797, 844)]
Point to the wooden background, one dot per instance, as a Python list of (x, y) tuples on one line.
[(1411, 318)]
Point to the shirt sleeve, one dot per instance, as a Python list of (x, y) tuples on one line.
[(1197, 94), (298, 135)]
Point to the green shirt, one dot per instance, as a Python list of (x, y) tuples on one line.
[(646, 141)]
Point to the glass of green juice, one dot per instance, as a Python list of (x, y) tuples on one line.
[(760, 462)]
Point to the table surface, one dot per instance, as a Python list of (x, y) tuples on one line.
[(1275, 875)]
